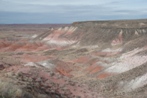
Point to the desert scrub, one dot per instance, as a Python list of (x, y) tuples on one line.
[(10, 90)]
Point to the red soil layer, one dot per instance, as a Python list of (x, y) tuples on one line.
[(4, 44), (94, 68), (63, 72), (64, 68), (82, 59), (103, 75), (43, 47), (21, 46)]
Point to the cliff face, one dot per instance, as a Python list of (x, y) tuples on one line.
[(93, 33), (93, 59)]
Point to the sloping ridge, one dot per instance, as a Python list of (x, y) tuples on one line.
[(96, 32), (114, 48)]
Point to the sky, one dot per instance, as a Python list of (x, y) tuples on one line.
[(68, 11)]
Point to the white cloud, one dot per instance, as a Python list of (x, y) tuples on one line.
[(77, 9), (59, 2), (31, 6)]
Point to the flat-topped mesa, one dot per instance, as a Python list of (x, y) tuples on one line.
[(95, 33), (113, 32), (142, 23)]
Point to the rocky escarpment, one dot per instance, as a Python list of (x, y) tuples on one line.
[(106, 31), (96, 32)]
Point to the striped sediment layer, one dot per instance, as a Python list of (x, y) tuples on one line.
[(93, 59)]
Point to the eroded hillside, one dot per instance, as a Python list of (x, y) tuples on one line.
[(93, 59)]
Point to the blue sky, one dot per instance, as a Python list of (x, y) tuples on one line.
[(68, 11)]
